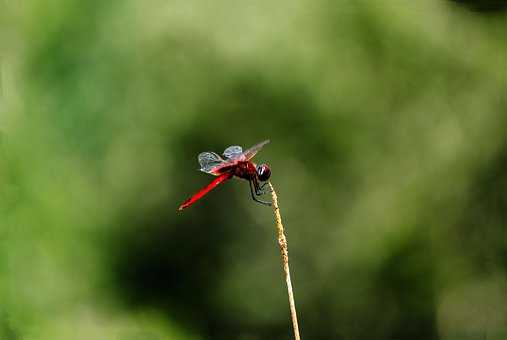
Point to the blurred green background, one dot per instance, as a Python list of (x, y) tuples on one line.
[(388, 149)]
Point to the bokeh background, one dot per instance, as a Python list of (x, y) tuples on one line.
[(388, 128)]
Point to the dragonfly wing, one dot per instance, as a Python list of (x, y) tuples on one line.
[(248, 154), (220, 179), (209, 160), (233, 151)]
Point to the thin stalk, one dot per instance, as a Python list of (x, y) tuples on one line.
[(282, 243)]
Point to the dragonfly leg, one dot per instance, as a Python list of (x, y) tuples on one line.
[(260, 189), (252, 186), (263, 190)]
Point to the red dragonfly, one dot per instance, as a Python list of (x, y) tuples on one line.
[(236, 163)]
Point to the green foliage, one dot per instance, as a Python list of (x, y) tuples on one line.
[(388, 151)]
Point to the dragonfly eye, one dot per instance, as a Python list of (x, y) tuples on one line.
[(263, 172)]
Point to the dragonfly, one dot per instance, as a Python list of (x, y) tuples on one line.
[(235, 163)]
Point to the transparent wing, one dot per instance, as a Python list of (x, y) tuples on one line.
[(209, 161), (248, 154), (233, 151)]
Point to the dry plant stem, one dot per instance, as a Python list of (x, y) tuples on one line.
[(282, 243)]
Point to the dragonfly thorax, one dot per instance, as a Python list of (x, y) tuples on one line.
[(245, 170)]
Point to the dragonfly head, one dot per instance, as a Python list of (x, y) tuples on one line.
[(263, 172)]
